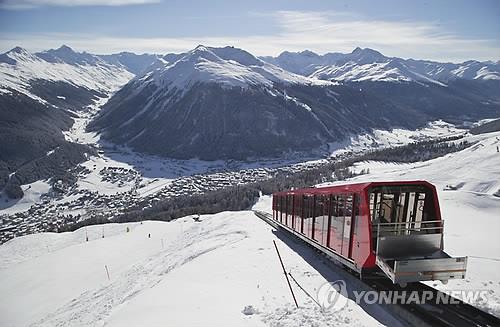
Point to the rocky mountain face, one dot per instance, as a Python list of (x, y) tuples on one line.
[(224, 103)]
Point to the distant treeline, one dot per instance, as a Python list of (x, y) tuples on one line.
[(492, 126), (418, 151), (53, 166), (242, 197)]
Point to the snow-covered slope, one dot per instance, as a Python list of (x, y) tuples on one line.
[(370, 65), (185, 274), (20, 68)]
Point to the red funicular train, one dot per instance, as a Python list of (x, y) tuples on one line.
[(394, 226)]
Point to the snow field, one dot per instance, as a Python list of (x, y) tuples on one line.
[(187, 273)]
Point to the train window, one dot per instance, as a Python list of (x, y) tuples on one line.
[(321, 219), (357, 218), (338, 222), (403, 207), (289, 210), (297, 211), (347, 224), (333, 212), (282, 208), (308, 215), (276, 206)]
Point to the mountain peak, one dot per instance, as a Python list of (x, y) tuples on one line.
[(10, 57), (18, 50), (366, 55), (200, 52), (309, 53), (65, 49), (357, 50), (201, 47), (304, 53), (67, 55), (365, 51)]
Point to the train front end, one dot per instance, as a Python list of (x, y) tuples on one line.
[(407, 234)]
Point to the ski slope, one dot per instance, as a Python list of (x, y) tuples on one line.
[(185, 274)]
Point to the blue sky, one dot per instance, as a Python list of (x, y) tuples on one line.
[(442, 30)]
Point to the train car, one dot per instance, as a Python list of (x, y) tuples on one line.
[(395, 227)]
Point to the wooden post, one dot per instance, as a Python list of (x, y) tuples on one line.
[(107, 271), (286, 275)]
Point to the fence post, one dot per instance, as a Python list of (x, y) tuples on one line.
[(286, 275)]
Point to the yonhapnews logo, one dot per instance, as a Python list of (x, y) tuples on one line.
[(333, 296)]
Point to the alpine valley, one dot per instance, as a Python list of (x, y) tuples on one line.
[(87, 133)]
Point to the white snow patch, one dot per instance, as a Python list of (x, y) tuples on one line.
[(32, 195)]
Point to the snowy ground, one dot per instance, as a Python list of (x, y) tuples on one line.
[(187, 273), (396, 137), (32, 194), (471, 212)]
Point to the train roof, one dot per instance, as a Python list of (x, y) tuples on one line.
[(350, 188)]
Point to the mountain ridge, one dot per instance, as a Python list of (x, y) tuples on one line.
[(340, 67)]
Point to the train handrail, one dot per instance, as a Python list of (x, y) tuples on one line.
[(406, 228), (411, 222)]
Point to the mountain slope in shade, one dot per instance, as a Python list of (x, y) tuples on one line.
[(367, 64)]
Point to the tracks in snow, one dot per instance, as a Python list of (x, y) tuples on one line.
[(93, 307)]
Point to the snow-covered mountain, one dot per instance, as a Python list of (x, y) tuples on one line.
[(214, 103), (40, 94), (225, 103), (23, 72), (370, 65), (134, 63), (226, 66)]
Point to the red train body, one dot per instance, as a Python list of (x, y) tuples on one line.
[(373, 224)]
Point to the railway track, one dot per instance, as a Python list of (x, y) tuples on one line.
[(457, 313)]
